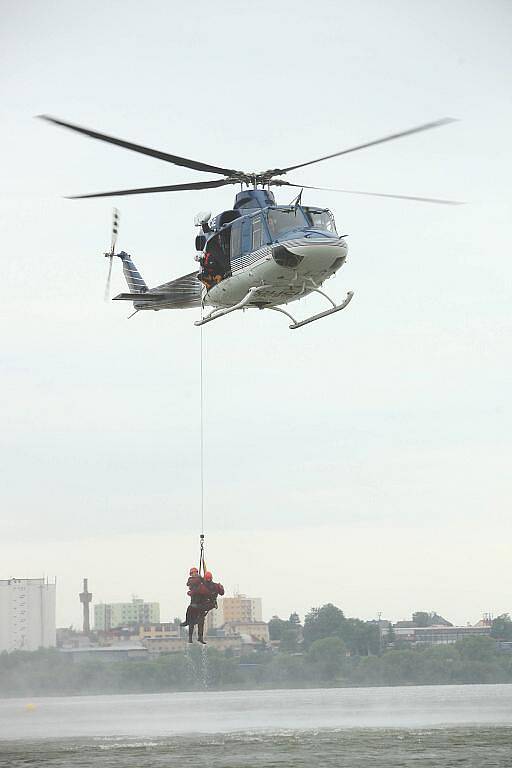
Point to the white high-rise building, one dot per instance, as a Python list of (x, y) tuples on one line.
[(27, 614)]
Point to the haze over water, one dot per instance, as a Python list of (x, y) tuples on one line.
[(440, 725)]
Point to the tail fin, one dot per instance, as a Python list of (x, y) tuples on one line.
[(132, 275)]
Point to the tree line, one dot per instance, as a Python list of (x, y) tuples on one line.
[(329, 650)]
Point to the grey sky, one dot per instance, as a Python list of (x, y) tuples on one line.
[(368, 454)]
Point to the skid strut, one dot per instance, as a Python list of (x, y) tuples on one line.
[(216, 313), (335, 308)]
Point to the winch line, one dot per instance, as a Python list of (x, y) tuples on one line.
[(202, 565), (201, 411)]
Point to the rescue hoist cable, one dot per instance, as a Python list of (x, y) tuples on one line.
[(202, 566)]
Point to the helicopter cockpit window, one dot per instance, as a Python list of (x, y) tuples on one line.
[(285, 219), (321, 219)]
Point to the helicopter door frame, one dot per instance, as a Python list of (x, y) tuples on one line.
[(237, 250), (246, 234), (225, 247), (243, 246)]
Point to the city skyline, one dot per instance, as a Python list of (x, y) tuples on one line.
[(28, 622), (154, 609)]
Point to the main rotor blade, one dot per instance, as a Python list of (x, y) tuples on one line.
[(168, 188), (279, 183), (194, 164), (391, 137)]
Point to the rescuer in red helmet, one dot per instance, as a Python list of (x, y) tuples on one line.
[(203, 594), (209, 591), (214, 590)]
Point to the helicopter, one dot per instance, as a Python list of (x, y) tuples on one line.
[(256, 255)]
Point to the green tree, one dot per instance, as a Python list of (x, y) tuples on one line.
[(276, 627), (289, 643), (390, 636), (477, 649), (421, 619), (501, 627), (439, 664), (368, 671), (401, 667), (424, 619), (327, 621), (327, 657), (286, 669), (294, 618), (361, 637)]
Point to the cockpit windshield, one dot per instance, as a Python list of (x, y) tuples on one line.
[(321, 218), (284, 219)]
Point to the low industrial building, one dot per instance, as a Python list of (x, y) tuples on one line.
[(113, 653), (159, 631), (446, 635), (158, 645), (441, 632), (256, 630)]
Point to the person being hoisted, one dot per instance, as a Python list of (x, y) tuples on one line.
[(203, 593), (193, 583)]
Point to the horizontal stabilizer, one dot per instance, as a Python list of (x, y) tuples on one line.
[(181, 293), (139, 296)]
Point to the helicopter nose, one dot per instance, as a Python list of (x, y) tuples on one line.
[(316, 248)]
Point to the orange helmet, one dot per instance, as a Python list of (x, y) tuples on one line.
[(193, 572), (208, 575)]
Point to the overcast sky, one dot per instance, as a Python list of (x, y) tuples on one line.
[(364, 459)]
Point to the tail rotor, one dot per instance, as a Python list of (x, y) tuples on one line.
[(110, 255)]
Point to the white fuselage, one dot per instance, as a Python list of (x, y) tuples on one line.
[(319, 256)]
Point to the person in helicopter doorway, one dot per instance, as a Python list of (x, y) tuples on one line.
[(209, 275), (203, 594)]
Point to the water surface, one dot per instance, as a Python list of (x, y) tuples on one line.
[(409, 726)]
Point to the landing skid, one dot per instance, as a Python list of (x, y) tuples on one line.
[(216, 313), (335, 308)]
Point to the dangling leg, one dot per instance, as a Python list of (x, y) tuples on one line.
[(187, 618), (200, 626), (192, 618)]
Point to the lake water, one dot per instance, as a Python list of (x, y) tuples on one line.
[(410, 726)]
